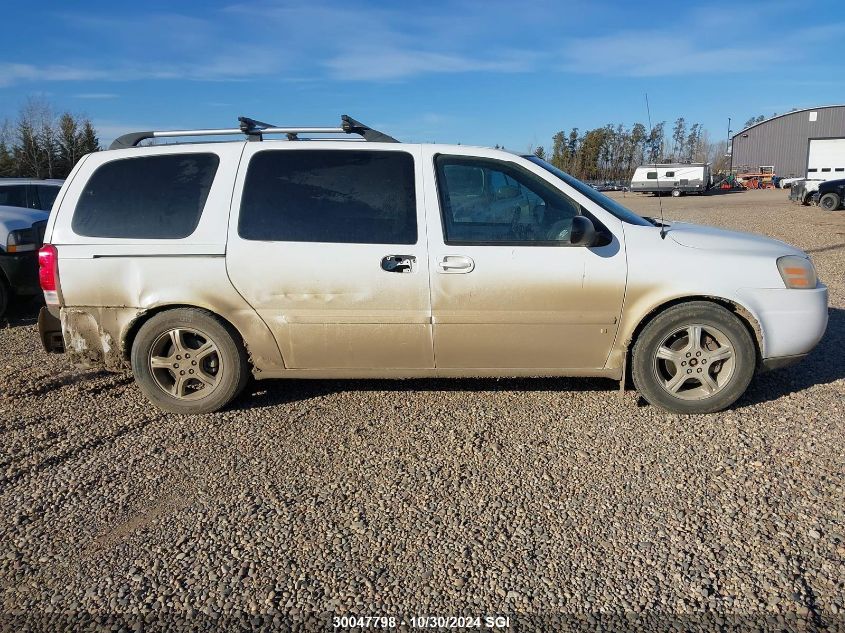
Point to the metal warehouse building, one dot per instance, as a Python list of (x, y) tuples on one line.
[(811, 140)]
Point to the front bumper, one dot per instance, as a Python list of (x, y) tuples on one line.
[(21, 271), (792, 321)]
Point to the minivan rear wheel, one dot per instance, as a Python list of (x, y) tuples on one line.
[(696, 357), (188, 361)]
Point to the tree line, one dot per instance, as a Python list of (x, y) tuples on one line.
[(612, 153), (42, 144)]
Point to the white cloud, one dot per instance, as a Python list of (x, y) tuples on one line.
[(11, 73), (96, 95), (393, 63), (651, 54), (654, 53)]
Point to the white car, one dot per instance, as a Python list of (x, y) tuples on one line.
[(21, 235), (803, 189), (200, 264)]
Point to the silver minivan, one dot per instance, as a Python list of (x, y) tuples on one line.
[(201, 264)]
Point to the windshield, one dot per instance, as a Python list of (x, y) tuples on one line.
[(608, 204)]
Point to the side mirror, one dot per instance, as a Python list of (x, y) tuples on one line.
[(582, 233)]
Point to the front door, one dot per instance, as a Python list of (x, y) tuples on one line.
[(508, 290), (329, 248)]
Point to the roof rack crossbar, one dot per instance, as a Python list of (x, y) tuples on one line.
[(255, 130)]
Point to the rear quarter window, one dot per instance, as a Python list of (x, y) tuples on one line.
[(149, 197)]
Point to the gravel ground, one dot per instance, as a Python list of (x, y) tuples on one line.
[(555, 502)]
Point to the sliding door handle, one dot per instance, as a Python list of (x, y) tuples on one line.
[(456, 264)]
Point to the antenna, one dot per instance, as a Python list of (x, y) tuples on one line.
[(657, 175)]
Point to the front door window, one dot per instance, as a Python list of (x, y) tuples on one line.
[(492, 202)]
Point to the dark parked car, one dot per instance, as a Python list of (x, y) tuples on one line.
[(21, 235), (830, 195), (29, 192)]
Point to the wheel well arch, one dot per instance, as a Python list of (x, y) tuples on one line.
[(143, 316), (743, 314)]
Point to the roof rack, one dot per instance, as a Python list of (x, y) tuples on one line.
[(255, 131)]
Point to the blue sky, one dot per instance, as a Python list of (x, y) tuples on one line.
[(476, 72)]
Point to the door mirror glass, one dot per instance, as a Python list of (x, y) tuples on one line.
[(582, 232), (507, 193)]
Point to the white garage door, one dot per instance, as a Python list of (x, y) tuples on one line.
[(827, 158)]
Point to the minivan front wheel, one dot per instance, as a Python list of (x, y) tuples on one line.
[(696, 357), (188, 361)]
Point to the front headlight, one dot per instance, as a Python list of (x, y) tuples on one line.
[(21, 241), (797, 272)]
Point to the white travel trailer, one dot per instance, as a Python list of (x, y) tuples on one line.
[(674, 178)]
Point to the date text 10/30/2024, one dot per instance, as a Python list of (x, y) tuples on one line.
[(421, 622)]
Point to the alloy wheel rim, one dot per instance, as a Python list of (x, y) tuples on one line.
[(694, 362), (185, 363)]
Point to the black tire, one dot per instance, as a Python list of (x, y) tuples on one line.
[(4, 296), (676, 193), (226, 363), (829, 202), (647, 368)]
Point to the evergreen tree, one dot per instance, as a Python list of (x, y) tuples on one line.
[(654, 143), (70, 149), (572, 150), (560, 153), (7, 159), (90, 142), (27, 150), (637, 141), (693, 141), (678, 138)]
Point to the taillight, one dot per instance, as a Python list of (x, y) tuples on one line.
[(48, 273)]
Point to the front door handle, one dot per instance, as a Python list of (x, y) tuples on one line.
[(456, 264), (398, 263)]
